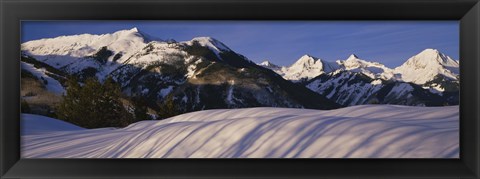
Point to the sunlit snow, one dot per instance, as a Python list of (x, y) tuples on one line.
[(367, 131)]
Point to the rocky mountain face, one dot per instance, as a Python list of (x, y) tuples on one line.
[(429, 78), (202, 73)]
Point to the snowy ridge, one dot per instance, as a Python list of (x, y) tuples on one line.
[(213, 44), (65, 50), (424, 66), (269, 65), (371, 69), (375, 131), (306, 68), (347, 88), (75, 53), (419, 69)]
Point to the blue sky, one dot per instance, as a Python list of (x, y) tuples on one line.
[(283, 42)]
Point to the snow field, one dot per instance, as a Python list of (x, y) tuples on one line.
[(367, 131)]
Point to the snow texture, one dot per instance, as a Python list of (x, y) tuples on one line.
[(34, 124), (367, 131)]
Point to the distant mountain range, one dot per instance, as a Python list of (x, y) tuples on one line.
[(429, 78), (204, 73)]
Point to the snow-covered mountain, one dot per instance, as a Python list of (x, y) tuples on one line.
[(202, 70), (355, 88), (373, 70), (304, 69), (366, 131), (79, 52), (202, 73), (419, 69), (432, 70), (271, 66), (426, 65)]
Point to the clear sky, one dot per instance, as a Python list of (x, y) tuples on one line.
[(283, 42)]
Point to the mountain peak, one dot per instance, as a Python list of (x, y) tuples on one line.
[(135, 32), (352, 57), (308, 67), (266, 63), (354, 62), (205, 39), (308, 56), (269, 65), (430, 58), (211, 43), (134, 29), (430, 50), (426, 65), (306, 59)]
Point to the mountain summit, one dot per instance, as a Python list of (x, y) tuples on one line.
[(307, 67), (426, 65)]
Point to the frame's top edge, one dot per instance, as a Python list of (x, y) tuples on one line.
[(247, 1)]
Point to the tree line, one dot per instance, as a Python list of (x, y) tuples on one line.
[(94, 104)]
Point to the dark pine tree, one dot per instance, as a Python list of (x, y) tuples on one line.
[(94, 104), (140, 108), (168, 108)]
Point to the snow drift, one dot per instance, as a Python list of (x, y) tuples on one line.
[(368, 131)]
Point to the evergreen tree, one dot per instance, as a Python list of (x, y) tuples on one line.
[(168, 108), (140, 108), (94, 104)]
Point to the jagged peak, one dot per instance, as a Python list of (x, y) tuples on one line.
[(431, 50), (307, 59), (352, 57), (308, 56), (426, 65), (127, 31), (134, 29), (267, 63), (430, 57), (138, 33), (204, 38), (211, 43)]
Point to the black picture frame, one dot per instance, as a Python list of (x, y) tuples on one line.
[(14, 11)]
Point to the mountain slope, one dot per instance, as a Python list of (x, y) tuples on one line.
[(201, 78), (202, 73)]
